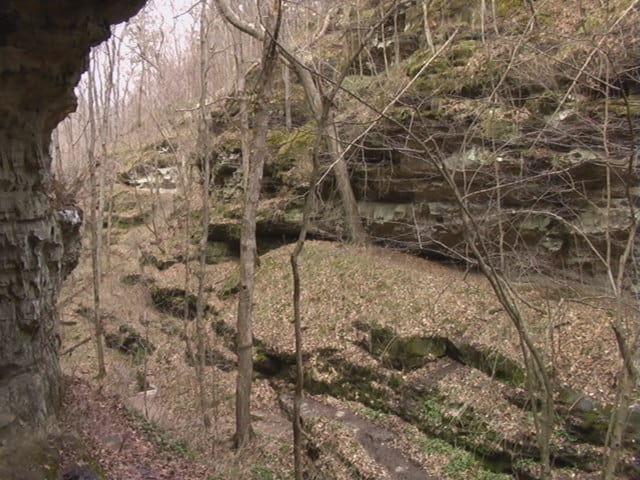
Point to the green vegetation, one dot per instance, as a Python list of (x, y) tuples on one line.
[(374, 414), (175, 302), (158, 436), (461, 464), (262, 472), (230, 286), (406, 352), (295, 146), (218, 252)]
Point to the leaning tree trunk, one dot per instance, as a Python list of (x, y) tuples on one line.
[(38, 72)]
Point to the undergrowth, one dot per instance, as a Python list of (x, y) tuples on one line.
[(158, 436)]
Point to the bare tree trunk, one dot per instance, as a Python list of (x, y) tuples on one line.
[(297, 288), (396, 37), (358, 27), (71, 159), (286, 77), (105, 133), (494, 17), (354, 226), (349, 203), (626, 330), (95, 219), (500, 218), (297, 319), (534, 17), (185, 249), (140, 95), (248, 246), (627, 379), (203, 155), (245, 143), (427, 27), (110, 206), (483, 9)]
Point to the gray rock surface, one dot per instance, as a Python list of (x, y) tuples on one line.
[(44, 49)]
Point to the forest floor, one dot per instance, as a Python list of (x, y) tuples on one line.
[(106, 438), (144, 419)]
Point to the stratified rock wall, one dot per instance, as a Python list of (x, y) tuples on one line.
[(542, 158), (44, 49)]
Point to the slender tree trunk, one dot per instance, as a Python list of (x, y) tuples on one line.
[(358, 27), (140, 95), (297, 322), (354, 226), (349, 203), (185, 249), (534, 17), (396, 37), (248, 246), (627, 379), (203, 155), (245, 142), (105, 136), (95, 219), (286, 77), (494, 17), (353, 222), (297, 290), (499, 212), (71, 158), (110, 207), (483, 9), (427, 27)]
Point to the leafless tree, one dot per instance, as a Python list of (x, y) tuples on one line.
[(248, 247), (314, 96), (95, 219), (201, 151)]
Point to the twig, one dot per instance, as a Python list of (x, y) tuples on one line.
[(73, 347)]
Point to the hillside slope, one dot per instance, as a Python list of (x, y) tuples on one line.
[(412, 347)]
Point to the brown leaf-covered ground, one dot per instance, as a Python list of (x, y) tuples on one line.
[(103, 436), (342, 287)]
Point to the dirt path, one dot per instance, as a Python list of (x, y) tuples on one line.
[(101, 439), (375, 440)]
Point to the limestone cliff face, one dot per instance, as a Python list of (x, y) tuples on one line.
[(44, 49), (543, 156)]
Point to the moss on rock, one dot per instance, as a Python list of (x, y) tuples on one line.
[(176, 302), (230, 286), (406, 353)]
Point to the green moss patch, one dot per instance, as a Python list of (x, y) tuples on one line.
[(176, 302), (405, 353), (230, 286)]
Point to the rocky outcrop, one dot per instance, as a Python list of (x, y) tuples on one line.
[(553, 210), (548, 177), (538, 210), (44, 49)]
